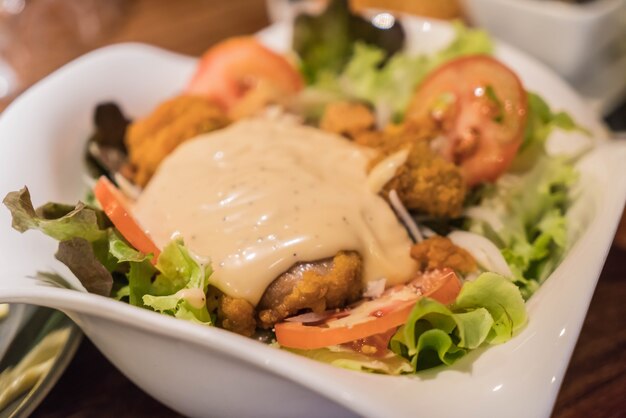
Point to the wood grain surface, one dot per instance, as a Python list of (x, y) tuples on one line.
[(49, 33)]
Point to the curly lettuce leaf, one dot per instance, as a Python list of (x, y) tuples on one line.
[(139, 281), (122, 251), (78, 255), (540, 123), (82, 233), (531, 231), (489, 310), (501, 300), (387, 85), (467, 41), (531, 201), (106, 264), (61, 222), (178, 271)]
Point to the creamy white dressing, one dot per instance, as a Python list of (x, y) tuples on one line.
[(386, 169), (195, 297), (363, 312), (260, 196)]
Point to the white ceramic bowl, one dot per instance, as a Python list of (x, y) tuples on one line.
[(568, 37), (204, 371)]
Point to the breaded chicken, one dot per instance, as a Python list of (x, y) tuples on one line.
[(439, 252), (234, 314), (347, 118), (426, 183), (151, 139), (237, 315), (315, 286)]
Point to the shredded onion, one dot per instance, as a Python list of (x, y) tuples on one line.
[(382, 113), (404, 215), (485, 252), (312, 318), (485, 215), (375, 288)]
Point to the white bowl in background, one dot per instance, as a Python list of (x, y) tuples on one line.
[(565, 36), (205, 371), (585, 43)]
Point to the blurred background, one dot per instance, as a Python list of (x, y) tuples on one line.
[(582, 40)]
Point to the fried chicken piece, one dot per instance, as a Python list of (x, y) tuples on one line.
[(233, 314), (151, 139), (439, 252), (426, 183), (347, 118), (315, 286), (430, 185), (395, 137), (237, 315)]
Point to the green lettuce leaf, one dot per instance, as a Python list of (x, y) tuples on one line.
[(503, 303), (488, 310), (324, 42), (122, 251), (387, 86), (82, 233), (188, 312), (139, 277), (466, 42), (106, 264), (177, 271), (532, 228), (541, 122), (62, 223)]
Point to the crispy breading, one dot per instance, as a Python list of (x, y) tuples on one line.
[(438, 252), (426, 183), (395, 137), (315, 290), (322, 285), (237, 315), (151, 139), (347, 118)]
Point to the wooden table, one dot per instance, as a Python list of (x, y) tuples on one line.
[(595, 383)]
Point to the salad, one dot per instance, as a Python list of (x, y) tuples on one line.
[(371, 209)]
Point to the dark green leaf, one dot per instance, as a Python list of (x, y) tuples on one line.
[(140, 281), (78, 255), (325, 42)]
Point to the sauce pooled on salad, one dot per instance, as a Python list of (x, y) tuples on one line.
[(263, 195)]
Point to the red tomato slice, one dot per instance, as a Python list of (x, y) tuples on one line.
[(114, 205), (374, 345), (372, 317), (228, 70), (481, 106)]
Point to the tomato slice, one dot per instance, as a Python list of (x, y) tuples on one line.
[(372, 317), (114, 205), (481, 107), (374, 345), (232, 68)]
